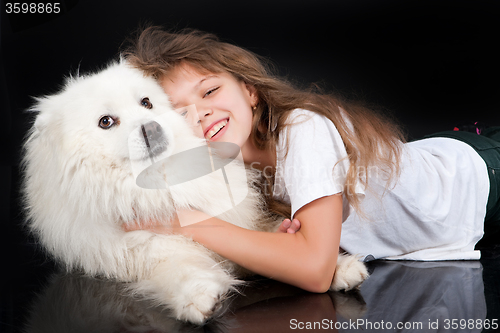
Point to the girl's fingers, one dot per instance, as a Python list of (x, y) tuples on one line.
[(284, 225), (294, 226)]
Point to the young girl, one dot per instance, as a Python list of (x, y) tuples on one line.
[(342, 168)]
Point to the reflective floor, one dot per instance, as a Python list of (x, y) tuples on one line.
[(451, 296)]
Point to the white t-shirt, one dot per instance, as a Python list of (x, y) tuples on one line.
[(435, 211)]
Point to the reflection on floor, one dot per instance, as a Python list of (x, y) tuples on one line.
[(403, 296)]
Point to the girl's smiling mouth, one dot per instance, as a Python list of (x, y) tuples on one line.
[(215, 130)]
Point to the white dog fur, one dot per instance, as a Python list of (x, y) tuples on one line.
[(79, 190)]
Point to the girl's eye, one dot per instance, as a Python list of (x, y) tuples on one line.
[(184, 113), (211, 91), (106, 122), (146, 103)]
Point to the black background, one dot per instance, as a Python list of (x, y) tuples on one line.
[(433, 64)]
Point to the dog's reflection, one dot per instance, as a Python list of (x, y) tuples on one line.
[(395, 292)]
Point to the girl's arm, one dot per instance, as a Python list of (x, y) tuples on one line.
[(306, 258)]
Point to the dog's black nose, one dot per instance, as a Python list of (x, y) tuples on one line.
[(152, 131), (155, 138)]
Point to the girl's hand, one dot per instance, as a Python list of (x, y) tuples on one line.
[(289, 227)]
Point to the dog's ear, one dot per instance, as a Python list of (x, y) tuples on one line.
[(41, 121)]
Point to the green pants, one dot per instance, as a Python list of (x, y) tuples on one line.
[(487, 146)]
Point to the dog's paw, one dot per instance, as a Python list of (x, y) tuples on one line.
[(199, 299), (349, 273)]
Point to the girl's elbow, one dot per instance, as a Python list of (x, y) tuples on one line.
[(319, 281)]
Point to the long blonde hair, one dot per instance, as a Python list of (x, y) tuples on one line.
[(370, 138)]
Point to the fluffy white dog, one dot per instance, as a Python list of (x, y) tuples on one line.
[(80, 188)]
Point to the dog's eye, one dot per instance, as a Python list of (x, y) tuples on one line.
[(146, 103), (106, 122)]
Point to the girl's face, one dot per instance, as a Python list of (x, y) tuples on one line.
[(224, 104)]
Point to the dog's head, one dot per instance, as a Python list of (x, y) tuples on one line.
[(94, 118)]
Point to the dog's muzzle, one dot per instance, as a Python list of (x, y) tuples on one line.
[(154, 138)]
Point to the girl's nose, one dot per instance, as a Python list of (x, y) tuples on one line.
[(204, 111)]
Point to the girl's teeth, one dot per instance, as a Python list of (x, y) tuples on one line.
[(215, 129)]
